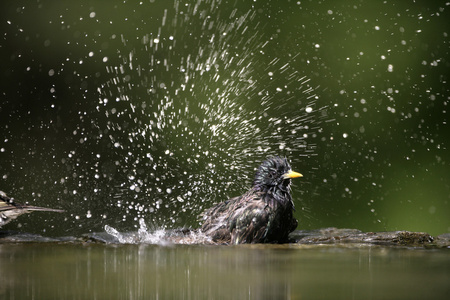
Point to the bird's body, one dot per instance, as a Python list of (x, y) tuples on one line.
[(9, 209), (264, 214)]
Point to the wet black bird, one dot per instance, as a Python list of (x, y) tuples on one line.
[(9, 209), (264, 214)]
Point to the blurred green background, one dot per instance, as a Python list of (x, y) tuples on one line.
[(120, 110)]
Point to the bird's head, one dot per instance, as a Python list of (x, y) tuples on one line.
[(275, 172)]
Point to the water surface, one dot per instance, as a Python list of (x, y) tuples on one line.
[(116, 271)]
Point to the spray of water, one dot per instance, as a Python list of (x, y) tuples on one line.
[(156, 110), (164, 237), (199, 108)]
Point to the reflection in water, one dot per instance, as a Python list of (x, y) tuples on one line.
[(50, 271)]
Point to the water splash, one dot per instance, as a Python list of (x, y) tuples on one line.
[(159, 236), (199, 107), (172, 106), (158, 109)]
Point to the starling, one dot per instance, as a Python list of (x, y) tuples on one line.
[(9, 209), (264, 214)]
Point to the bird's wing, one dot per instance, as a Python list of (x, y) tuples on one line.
[(215, 219), (249, 223)]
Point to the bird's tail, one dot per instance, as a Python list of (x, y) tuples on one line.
[(37, 208)]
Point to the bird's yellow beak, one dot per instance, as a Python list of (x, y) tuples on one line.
[(292, 174)]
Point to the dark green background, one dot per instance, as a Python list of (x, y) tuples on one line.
[(199, 92)]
